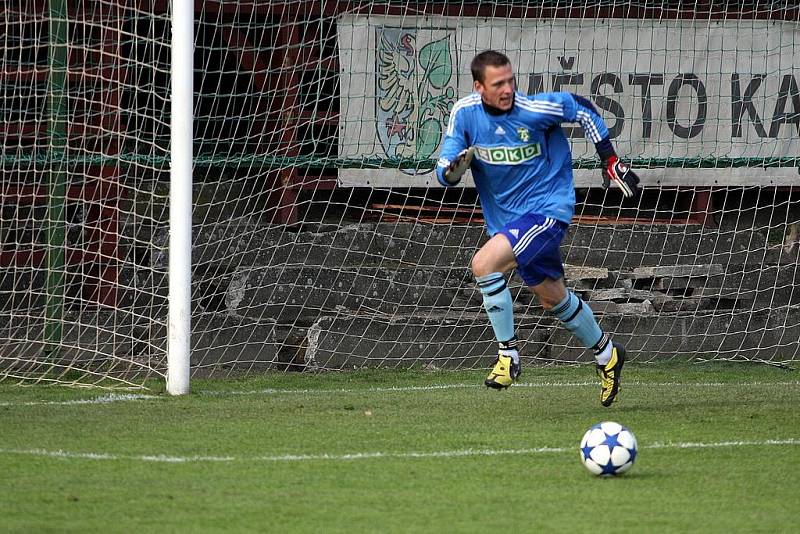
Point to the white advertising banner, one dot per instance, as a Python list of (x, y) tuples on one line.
[(677, 89)]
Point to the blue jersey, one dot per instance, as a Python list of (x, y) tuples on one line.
[(523, 161)]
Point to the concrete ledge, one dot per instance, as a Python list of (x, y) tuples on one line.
[(347, 342)]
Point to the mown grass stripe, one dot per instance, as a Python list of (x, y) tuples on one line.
[(112, 398)]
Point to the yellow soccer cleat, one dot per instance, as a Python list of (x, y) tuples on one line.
[(504, 373), (610, 375)]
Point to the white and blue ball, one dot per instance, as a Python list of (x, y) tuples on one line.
[(608, 448)]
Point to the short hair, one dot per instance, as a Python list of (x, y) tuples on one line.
[(487, 58)]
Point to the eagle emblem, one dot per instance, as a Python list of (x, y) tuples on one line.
[(415, 89)]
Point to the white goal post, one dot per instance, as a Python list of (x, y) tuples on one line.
[(180, 208)]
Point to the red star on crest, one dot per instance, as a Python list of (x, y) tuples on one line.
[(393, 126)]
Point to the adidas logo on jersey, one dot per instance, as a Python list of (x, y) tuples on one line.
[(514, 232), (500, 131)]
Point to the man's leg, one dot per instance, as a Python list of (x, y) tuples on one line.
[(578, 318), (488, 266)]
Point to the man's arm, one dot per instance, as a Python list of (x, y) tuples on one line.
[(555, 108), (614, 170), (456, 155)]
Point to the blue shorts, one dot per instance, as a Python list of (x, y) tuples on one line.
[(536, 240)]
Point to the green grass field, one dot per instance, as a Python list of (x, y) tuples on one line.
[(405, 451)]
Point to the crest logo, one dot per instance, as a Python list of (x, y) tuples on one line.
[(415, 90), (523, 134)]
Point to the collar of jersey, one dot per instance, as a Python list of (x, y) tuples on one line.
[(491, 110)]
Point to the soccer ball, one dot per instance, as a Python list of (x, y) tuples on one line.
[(608, 449)]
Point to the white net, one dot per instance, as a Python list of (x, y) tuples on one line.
[(84, 154), (321, 240)]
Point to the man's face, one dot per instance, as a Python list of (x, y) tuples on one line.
[(497, 88)]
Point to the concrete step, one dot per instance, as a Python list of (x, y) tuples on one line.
[(334, 246), (286, 293), (234, 346), (341, 342), (625, 247), (616, 247), (303, 294), (294, 293), (120, 346)]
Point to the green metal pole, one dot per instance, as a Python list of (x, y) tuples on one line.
[(57, 197)]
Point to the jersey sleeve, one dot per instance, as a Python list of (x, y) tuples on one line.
[(573, 108), (592, 123), (566, 107), (455, 140)]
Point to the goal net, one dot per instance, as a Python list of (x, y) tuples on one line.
[(320, 238)]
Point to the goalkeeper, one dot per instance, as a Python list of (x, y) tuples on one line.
[(522, 166)]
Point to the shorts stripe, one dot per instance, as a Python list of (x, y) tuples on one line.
[(534, 231)]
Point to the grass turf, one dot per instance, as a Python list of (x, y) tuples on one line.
[(227, 445)]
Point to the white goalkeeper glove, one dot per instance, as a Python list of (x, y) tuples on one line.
[(459, 166)]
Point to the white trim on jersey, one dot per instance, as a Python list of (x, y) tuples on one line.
[(543, 103), (467, 101), (589, 126), (528, 237), (540, 107)]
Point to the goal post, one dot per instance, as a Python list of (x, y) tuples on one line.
[(180, 197), (247, 185)]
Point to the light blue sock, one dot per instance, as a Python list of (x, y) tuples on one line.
[(578, 318), (498, 305)]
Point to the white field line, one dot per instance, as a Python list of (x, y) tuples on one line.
[(594, 383), (162, 458), (105, 399)]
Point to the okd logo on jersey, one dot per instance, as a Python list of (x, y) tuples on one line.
[(508, 155)]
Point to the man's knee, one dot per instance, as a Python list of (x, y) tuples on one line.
[(550, 293), (481, 264), (549, 299), (548, 302), (496, 256)]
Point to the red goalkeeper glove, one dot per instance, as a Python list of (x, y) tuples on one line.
[(620, 173)]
